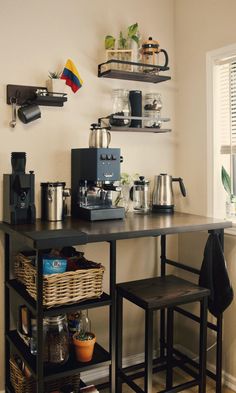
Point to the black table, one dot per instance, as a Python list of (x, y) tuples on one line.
[(73, 232)]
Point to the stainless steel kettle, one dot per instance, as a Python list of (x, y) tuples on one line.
[(163, 198)]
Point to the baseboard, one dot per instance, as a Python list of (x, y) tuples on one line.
[(227, 379), (102, 372)]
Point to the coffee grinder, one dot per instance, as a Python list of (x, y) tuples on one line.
[(18, 193), (93, 174)]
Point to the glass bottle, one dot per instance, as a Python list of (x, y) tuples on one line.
[(56, 341), (84, 323), (121, 107), (152, 110)]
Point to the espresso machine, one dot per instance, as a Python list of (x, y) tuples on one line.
[(94, 172), (18, 192)]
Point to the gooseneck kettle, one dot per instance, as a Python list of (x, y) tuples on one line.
[(163, 197)]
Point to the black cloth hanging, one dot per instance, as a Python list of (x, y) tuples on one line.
[(214, 276)]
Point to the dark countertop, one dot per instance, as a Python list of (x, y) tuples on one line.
[(73, 232)]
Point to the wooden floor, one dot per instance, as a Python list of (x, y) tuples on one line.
[(158, 385)]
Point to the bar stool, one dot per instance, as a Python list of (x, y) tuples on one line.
[(157, 294)]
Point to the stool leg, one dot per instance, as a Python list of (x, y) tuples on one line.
[(170, 330), (119, 336), (148, 351), (203, 346)]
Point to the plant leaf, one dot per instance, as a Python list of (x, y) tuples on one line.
[(132, 30), (109, 42), (226, 181), (122, 41), (135, 38)]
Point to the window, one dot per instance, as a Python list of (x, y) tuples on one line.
[(221, 74)]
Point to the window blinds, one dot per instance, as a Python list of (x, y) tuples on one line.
[(225, 105)]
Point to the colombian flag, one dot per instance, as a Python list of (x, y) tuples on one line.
[(71, 76)]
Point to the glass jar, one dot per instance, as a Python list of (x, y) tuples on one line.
[(84, 323), (56, 340), (152, 110), (121, 107)]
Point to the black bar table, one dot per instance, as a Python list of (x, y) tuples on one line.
[(72, 232)]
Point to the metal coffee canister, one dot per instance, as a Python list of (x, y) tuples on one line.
[(53, 206)]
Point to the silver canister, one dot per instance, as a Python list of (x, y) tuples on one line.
[(53, 205)]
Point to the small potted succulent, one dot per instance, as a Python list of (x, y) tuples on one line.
[(84, 346), (55, 84)]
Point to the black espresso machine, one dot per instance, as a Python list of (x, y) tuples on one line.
[(18, 192), (93, 174)]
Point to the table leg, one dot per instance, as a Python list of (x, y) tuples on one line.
[(162, 312), (7, 308), (112, 338), (40, 346)]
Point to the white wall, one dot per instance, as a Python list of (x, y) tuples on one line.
[(201, 26), (37, 37)]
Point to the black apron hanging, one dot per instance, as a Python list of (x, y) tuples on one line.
[(214, 276)]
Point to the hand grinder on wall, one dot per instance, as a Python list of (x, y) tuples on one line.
[(163, 196)]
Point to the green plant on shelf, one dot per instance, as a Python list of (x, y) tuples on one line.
[(226, 181), (123, 40), (54, 75)]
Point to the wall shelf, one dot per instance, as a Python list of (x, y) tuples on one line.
[(34, 94), (113, 69), (145, 130)]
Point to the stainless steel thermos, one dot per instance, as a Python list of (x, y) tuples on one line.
[(53, 206)]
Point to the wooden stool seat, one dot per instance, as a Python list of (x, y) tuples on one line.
[(158, 292), (161, 293)]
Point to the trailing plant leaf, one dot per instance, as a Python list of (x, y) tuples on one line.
[(226, 181), (110, 42), (132, 30), (122, 41)]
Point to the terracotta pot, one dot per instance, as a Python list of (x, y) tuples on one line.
[(84, 348)]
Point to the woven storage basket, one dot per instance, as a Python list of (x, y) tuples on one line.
[(21, 384), (63, 288)]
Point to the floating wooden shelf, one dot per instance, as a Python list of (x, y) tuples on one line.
[(109, 70)]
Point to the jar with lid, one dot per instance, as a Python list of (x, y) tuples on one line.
[(121, 107), (56, 340), (152, 110)]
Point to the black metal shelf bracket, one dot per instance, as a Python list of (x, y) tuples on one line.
[(34, 94)]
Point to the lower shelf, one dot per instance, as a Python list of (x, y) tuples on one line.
[(100, 357)]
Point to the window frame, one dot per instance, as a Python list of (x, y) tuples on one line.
[(211, 58)]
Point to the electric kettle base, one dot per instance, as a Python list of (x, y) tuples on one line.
[(163, 209)]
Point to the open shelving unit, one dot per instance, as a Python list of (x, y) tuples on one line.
[(38, 240), (128, 70)]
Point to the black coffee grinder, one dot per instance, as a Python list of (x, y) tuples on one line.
[(18, 193)]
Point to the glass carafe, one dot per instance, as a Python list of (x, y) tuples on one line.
[(56, 340), (121, 107)]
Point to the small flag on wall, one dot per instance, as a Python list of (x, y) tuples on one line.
[(71, 76)]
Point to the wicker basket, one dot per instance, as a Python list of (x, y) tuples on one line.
[(21, 384), (61, 288)]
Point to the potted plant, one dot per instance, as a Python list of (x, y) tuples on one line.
[(84, 345), (231, 198), (127, 47), (55, 84)]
